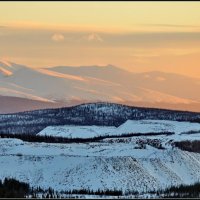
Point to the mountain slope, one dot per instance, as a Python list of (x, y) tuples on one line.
[(17, 104), (99, 83), (165, 83)]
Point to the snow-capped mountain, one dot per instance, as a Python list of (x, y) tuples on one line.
[(73, 85), (8, 68)]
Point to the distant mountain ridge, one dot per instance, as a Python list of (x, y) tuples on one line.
[(71, 85)]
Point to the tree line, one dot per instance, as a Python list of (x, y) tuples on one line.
[(12, 188), (188, 145), (181, 191), (56, 139)]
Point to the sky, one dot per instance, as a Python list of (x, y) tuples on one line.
[(136, 36)]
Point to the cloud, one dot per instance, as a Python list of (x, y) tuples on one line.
[(182, 52), (147, 76), (58, 37), (172, 25), (93, 37), (146, 55), (159, 78)]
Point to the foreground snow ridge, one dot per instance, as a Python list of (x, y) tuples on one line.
[(106, 165), (138, 163)]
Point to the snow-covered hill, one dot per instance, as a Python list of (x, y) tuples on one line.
[(99, 114), (140, 163), (154, 126), (73, 85), (118, 164), (78, 131), (130, 126)]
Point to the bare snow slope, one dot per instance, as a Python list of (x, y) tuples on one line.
[(105, 165), (130, 126), (71, 131), (147, 126)]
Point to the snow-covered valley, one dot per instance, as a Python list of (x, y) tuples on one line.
[(127, 164)]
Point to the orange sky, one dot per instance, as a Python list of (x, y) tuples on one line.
[(137, 36)]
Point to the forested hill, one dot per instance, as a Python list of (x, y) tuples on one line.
[(107, 114)]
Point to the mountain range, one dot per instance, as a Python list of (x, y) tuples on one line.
[(24, 88)]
